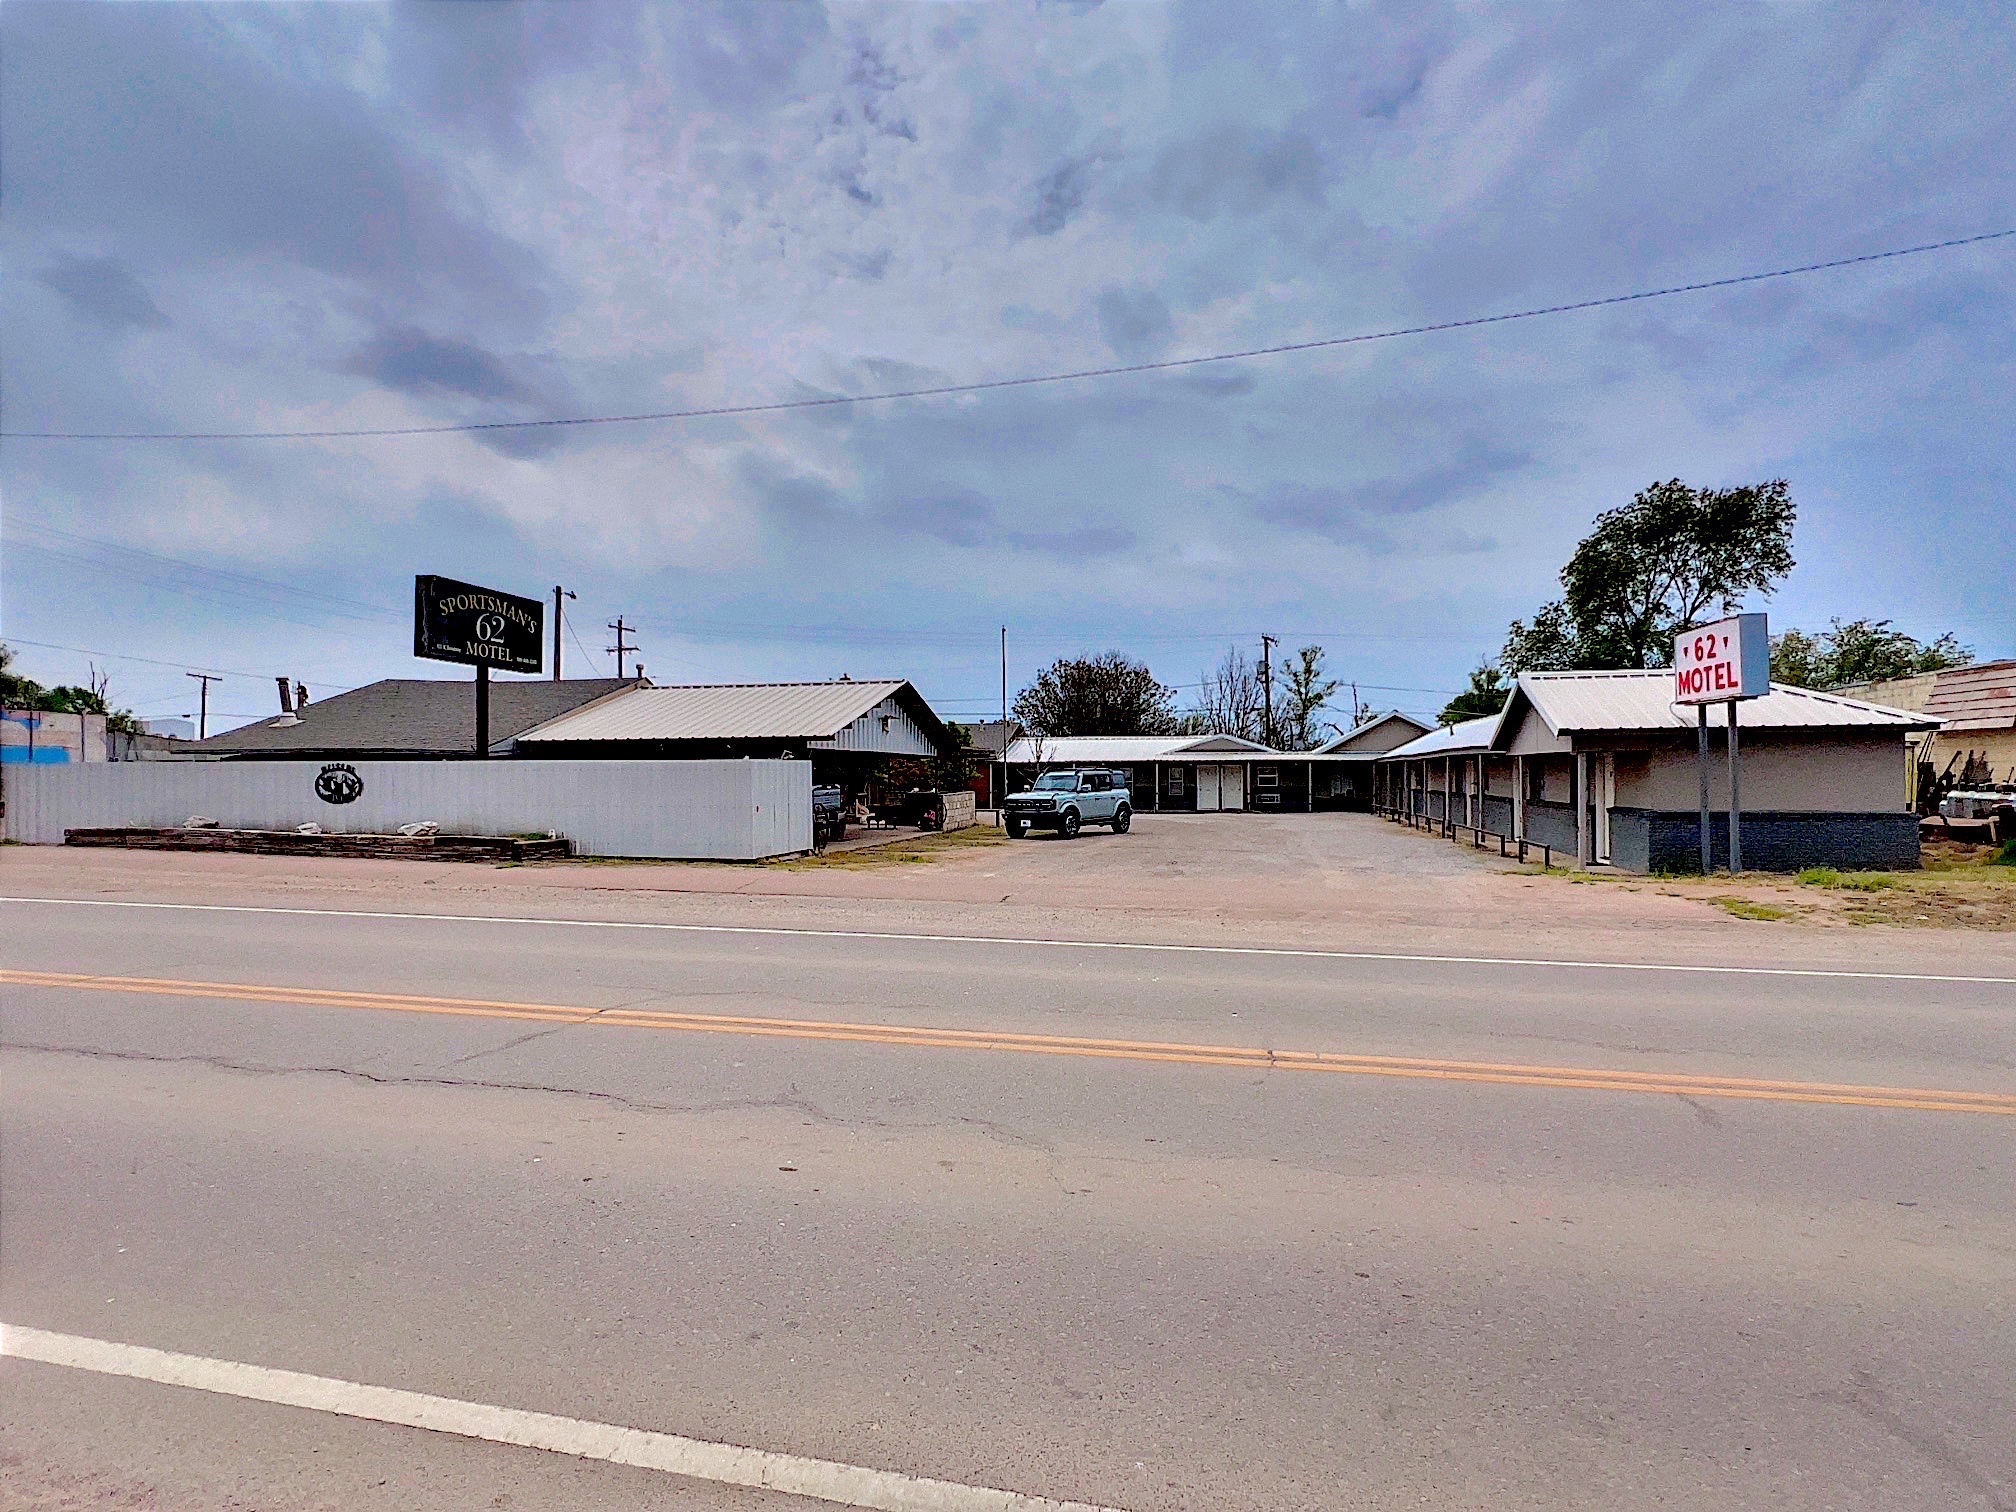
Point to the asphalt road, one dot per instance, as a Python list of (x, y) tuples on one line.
[(1401, 1233)]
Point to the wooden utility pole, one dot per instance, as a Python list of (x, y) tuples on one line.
[(203, 680), (621, 648), (1267, 645), (559, 624)]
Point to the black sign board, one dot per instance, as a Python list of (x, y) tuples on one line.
[(479, 627)]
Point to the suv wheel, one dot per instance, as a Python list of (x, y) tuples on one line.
[(1068, 825), (1123, 819), (1017, 829)]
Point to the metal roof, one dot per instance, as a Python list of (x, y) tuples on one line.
[(1118, 750), (733, 711), (1367, 726), (410, 716), (1632, 700), (1451, 740)]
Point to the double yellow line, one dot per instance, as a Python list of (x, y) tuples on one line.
[(1230, 1057)]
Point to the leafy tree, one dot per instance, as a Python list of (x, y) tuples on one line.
[(1107, 694), (1860, 651), (1486, 694), (1652, 568), (1306, 687), (18, 692)]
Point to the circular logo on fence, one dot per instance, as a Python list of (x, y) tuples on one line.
[(338, 782)]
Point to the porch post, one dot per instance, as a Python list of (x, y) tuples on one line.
[(1581, 808)]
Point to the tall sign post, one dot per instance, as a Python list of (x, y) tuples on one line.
[(480, 628), (1724, 663)]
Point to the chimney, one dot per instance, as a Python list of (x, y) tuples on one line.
[(286, 695), (640, 673)]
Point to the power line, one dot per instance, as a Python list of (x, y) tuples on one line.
[(941, 390)]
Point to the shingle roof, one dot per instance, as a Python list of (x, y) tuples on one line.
[(734, 711), (411, 716), (1096, 750), (1644, 701), (991, 735), (1976, 698), (1450, 740)]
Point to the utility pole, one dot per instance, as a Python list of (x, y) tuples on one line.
[(1267, 645), (999, 782), (621, 648), (559, 624), (203, 680)]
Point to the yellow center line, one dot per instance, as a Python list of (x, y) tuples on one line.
[(1242, 1057)]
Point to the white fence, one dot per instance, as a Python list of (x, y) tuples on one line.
[(691, 810)]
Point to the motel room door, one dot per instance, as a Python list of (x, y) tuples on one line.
[(1207, 790), (1220, 787)]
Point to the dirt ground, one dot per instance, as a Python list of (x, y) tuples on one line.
[(1335, 881)]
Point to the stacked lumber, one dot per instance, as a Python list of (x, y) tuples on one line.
[(434, 847)]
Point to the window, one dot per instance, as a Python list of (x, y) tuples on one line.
[(1268, 777), (1176, 781)]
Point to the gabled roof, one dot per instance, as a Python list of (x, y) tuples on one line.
[(738, 711), (1361, 734), (1467, 738), (410, 716), (991, 735), (1631, 701), (1118, 750)]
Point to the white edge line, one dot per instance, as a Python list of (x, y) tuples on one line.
[(698, 1459), (1284, 952)]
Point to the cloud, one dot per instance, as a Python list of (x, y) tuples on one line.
[(385, 216), (1135, 322), (1059, 195), (1236, 170), (104, 290), (413, 362)]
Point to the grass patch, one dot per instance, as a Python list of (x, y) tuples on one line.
[(1827, 876), (1746, 908), (2008, 855), (920, 851)]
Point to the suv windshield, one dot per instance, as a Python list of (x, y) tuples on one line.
[(1057, 782)]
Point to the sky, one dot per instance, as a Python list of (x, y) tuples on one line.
[(346, 216)]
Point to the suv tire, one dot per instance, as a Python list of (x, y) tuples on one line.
[(1017, 829), (1067, 825), (1123, 819)]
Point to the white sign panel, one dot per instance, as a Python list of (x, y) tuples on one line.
[(1727, 660)]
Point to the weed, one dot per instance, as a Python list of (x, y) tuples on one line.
[(1743, 908), (1827, 876)]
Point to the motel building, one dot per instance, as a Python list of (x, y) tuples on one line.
[(1603, 767), (1221, 774)]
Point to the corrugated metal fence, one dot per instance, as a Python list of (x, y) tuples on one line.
[(691, 810)]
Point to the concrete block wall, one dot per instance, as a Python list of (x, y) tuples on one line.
[(1658, 840)]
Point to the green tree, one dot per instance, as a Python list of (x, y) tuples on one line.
[(1860, 651), (1486, 694), (1652, 568), (1108, 694), (1306, 687)]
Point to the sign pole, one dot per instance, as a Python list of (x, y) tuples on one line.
[(1701, 763), (482, 711), (1735, 798)]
